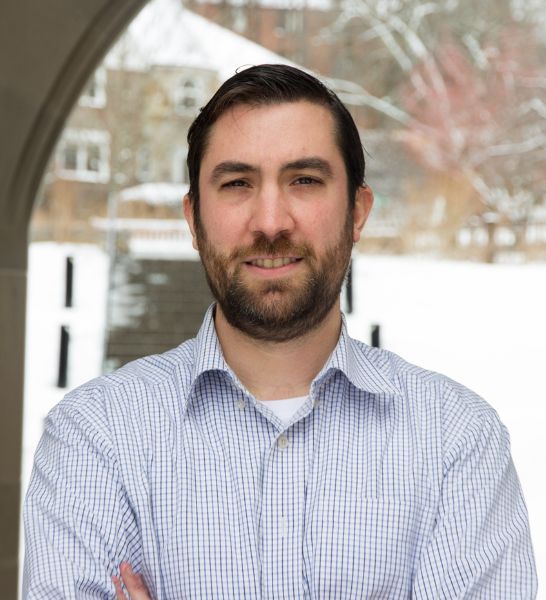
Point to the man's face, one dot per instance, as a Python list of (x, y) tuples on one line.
[(275, 230)]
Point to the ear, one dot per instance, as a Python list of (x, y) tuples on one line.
[(362, 208), (188, 213)]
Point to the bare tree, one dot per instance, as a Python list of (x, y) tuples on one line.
[(465, 84)]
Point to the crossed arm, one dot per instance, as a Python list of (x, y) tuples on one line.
[(80, 528), (133, 582)]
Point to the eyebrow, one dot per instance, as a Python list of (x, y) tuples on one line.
[(230, 167), (314, 163)]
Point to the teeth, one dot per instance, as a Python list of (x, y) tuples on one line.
[(272, 263)]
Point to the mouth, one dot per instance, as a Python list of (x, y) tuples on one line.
[(273, 263)]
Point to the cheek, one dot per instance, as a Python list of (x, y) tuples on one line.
[(324, 229), (223, 229)]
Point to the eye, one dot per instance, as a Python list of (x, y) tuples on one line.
[(307, 180), (235, 183)]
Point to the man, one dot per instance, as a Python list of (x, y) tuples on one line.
[(273, 456)]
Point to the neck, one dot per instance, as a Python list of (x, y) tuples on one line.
[(277, 370)]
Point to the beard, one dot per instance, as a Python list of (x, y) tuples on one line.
[(288, 307)]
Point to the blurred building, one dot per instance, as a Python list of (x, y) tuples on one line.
[(295, 29), (123, 150), (122, 154)]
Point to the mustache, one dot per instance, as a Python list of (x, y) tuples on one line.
[(281, 245)]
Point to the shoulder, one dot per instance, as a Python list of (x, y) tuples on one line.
[(428, 394), (155, 378)]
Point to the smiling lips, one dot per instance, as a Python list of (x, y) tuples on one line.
[(273, 263)]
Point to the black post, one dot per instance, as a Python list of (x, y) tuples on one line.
[(349, 288), (376, 336), (63, 357), (69, 281)]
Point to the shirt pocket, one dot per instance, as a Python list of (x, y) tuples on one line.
[(360, 547)]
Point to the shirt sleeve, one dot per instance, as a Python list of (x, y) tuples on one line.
[(481, 546), (78, 521)]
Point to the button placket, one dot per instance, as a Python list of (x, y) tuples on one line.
[(282, 497)]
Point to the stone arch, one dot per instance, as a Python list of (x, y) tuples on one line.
[(47, 52)]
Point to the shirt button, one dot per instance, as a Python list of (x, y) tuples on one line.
[(316, 403), (282, 442), (241, 404)]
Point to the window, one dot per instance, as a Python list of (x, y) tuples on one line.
[(71, 156), (290, 21), (188, 95), (93, 158), (83, 154), (293, 21), (94, 93), (240, 19)]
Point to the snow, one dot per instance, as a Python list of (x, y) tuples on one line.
[(141, 225), (155, 194), (284, 4), (482, 325), (165, 34), (45, 315), (165, 249), (167, 239)]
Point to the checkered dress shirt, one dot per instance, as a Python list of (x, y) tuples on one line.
[(390, 482)]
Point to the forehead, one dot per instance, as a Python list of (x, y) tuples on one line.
[(284, 131)]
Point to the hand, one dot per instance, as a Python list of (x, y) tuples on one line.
[(133, 582)]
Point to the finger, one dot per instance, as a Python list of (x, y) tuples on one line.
[(119, 592), (134, 583)]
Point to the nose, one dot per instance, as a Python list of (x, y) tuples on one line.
[(271, 214)]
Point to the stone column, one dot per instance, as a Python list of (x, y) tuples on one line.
[(48, 50), (13, 270)]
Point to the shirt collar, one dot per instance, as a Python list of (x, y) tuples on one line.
[(208, 352), (365, 367)]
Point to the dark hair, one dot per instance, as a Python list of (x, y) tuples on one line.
[(274, 84)]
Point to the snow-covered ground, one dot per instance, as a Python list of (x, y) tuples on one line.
[(46, 314), (483, 325)]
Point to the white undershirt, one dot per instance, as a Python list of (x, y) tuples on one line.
[(286, 408)]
